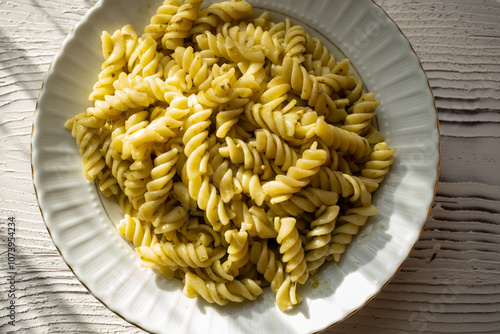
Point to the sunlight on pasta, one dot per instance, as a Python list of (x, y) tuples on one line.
[(242, 153)]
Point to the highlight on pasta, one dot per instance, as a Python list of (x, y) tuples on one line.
[(241, 151)]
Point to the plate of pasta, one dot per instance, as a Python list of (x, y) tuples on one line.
[(235, 166)]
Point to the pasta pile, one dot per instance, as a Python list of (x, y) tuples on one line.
[(241, 151)]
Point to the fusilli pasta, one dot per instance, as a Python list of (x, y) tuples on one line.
[(241, 152)]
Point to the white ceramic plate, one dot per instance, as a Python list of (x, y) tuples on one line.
[(81, 225)]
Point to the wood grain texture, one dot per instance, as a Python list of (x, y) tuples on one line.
[(449, 284)]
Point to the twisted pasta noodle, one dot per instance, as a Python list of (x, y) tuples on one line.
[(168, 122), (196, 146), (145, 59), (268, 264), (185, 255), (195, 65), (319, 52), (307, 86), (180, 24), (217, 273), (254, 220), (209, 200), (333, 180), (347, 227), (308, 199), (199, 233), (159, 22), (291, 249), (286, 296), (137, 232), (134, 141), (295, 42), (115, 50), (275, 148), (274, 120), (239, 152), (108, 184), (237, 251), (221, 293), (361, 114), (169, 218), (160, 185), (377, 167), (221, 90), (262, 223), (249, 35), (227, 48), (113, 106), (251, 185), (263, 21), (360, 191), (319, 237), (137, 178), (119, 167), (225, 11), (340, 139), (278, 30), (88, 141), (297, 176), (227, 117), (152, 135), (224, 180)]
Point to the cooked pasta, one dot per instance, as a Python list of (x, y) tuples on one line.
[(242, 153)]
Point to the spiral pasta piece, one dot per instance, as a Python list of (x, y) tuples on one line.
[(137, 232), (361, 114), (348, 226), (224, 180), (209, 200), (227, 48), (88, 142), (221, 293), (319, 237), (145, 59), (180, 24), (137, 178), (291, 249), (239, 152), (237, 250), (275, 148), (306, 85), (158, 188), (159, 22), (308, 199), (116, 49), (295, 42), (297, 176), (251, 36), (195, 65), (251, 185), (377, 167), (113, 106), (272, 118), (227, 117), (220, 12), (181, 255), (343, 140), (268, 264)]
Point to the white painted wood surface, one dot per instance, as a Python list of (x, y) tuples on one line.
[(449, 284)]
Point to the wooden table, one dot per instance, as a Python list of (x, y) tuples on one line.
[(449, 284)]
